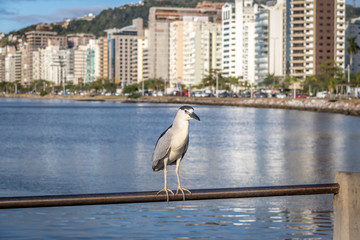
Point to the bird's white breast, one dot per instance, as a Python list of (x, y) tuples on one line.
[(178, 141)]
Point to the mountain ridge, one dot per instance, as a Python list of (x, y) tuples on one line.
[(122, 16)]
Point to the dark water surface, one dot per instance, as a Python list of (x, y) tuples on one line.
[(65, 147)]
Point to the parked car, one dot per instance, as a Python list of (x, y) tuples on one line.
[(281, 95), (197, 93), (245, 95), (201, 93), (301, 95), (155, 93), (260, 95), (223, 94), (322, 94), (206, 93), (147, 93)]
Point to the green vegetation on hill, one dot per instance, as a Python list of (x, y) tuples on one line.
[(122, 16), (113, 18), (352, 12)]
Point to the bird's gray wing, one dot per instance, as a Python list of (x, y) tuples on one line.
[(161, 150)]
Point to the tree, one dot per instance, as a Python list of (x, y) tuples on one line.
[(289, 80), (330, 75), (131, 88), (311, 83), (234, 82), (155, 84), (210, 80), (357, 79), (40, 85), (97, 85), (352, 48), (272, 80), (108, 85)]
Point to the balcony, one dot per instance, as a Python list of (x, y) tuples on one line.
[(340, 13)]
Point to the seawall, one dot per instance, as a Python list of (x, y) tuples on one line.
[(348, 107)]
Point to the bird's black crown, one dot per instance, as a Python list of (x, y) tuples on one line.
[(187, 108)]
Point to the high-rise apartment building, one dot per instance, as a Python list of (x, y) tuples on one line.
[(48, 64), (269, 41), (123, 52), (160, 19), (176, 52), (231, 49), (77, 39), (4, 62), (35, 40), (317, 35), (103, 57), (194, 49), (13, 67), (238, 24), (141, 58), (245, 20), (92, 61), (353, 30), (79, 62)]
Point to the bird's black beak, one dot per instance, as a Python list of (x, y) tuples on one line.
[(194, 116)]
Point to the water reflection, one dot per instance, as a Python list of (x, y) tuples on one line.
[(190, 221), (63, 147)]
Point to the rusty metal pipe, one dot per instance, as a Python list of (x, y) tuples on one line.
[(140, 197)]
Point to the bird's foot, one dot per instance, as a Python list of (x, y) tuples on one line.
[(167, 191), (181, 189)]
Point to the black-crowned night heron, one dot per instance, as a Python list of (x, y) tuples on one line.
[(172, 145)]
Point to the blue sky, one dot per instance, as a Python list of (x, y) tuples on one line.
[(16, 14)]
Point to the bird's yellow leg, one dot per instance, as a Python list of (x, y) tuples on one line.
[(166, 190), (181, 189)]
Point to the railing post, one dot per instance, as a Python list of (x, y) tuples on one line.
[(347, 207)]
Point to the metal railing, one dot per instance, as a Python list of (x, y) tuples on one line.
[(141, 197)]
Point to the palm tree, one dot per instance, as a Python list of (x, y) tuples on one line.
[(210, 79), (352, 48)]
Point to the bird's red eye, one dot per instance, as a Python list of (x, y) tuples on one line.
[(185, 111)]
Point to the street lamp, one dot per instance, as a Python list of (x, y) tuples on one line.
[(61, 73), (143, 92), (348, 88), (217, 84)]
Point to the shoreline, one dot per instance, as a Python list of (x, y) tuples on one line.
[(347, 107)]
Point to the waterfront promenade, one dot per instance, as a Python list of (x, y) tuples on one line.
[(348, 106)]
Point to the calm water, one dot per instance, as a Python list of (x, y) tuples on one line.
[(65, 147)]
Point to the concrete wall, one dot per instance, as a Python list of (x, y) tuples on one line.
[(347, 207)]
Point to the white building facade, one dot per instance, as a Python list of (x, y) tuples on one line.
[(13, 67), (50, 64), (269, 41), (194, 49), (238, 40), (92, 61)]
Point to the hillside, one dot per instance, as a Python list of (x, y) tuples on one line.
[(122, 16), (112, 18)]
